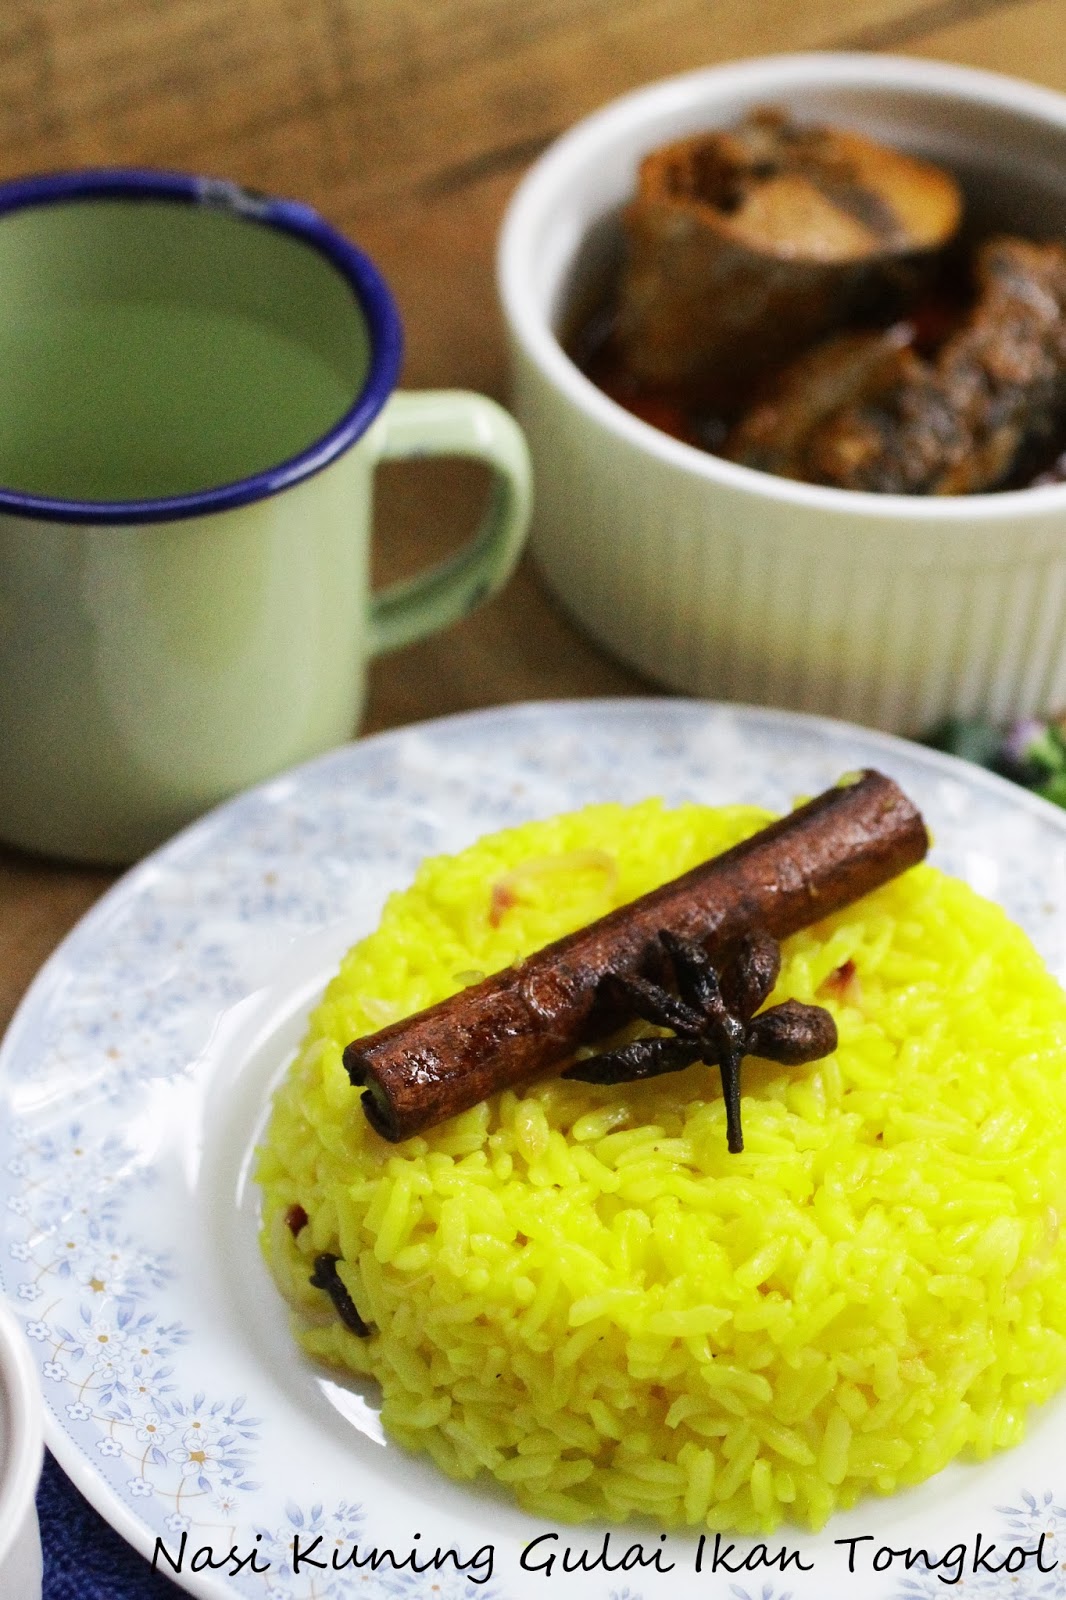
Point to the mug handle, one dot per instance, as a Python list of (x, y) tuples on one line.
[(452, 422)]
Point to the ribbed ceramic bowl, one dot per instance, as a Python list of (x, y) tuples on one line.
[(718, 580), (21, 1452)]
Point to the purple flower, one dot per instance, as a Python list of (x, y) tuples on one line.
[(1022, 738)]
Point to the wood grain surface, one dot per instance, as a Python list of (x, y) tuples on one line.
[(408, 123)]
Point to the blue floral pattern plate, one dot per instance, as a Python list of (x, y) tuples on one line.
[(134, 1083)]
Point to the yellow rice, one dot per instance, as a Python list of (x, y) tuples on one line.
[(578, 1290)]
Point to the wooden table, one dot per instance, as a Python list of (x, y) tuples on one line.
[(408, 123)]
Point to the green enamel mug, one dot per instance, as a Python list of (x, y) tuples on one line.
[(198, 384)]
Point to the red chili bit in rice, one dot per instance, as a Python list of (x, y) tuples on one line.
[(295, 1219), (502, 899), (843, 984), (510, 890)]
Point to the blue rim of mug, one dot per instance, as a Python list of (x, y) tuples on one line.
[(301, 222)]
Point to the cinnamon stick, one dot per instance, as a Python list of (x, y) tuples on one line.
[(519, 1023)]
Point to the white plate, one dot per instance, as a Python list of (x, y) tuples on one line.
[(134, 1082)]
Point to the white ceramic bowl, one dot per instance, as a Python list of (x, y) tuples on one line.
[(21, 1453), (722, 581)]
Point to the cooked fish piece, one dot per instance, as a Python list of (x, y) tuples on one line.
[(965, 421), (833, 378), (747, 245)]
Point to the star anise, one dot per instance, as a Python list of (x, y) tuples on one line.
[(712, 1018)]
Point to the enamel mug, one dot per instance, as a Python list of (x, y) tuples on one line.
[(198, 384)]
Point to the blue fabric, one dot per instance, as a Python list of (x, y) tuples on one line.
[(84, 1558)]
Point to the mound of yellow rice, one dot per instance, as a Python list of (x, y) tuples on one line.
[(579, 1290)]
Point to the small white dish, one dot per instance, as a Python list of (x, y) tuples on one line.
[(21, 1454), (134, 1082), (718, 580)]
